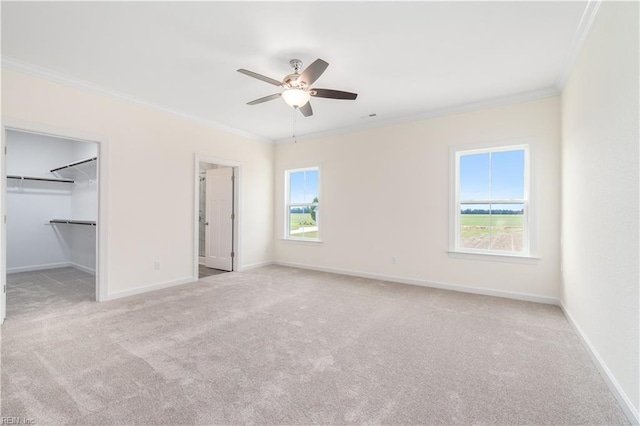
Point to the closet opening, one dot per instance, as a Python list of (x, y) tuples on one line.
[(217, 217), (51, 197)]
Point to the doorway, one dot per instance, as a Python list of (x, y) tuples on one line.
[(51, 233), (217, 218)]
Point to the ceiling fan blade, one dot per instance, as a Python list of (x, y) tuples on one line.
[(313, 71), (260, 77), (333, 94), (306, 109), (265, 99)]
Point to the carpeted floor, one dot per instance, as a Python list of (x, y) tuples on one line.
[(37, 294), (279, 345), (204, 272)]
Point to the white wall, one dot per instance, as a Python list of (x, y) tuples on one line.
[(385, 192), (151, 177), (84, 150), (31, 241), (82, 247), (600, 194)]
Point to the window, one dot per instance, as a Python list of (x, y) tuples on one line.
[(492, 206), (302, 203)]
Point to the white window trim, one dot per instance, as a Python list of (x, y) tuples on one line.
[(530, 201), (287, 204)]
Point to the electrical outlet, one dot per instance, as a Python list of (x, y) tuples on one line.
[(394, 260), (156, 265)]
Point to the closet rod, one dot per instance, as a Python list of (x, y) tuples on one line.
[(77, 163), (73, 222), (40, 179)]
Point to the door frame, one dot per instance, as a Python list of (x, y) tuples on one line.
[(237, 208), (103, 200)]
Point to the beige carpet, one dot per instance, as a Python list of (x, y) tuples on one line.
[(37, 294), (286, 346)]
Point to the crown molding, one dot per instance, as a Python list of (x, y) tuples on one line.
[(441, 112), (579, 38), (27, 68)]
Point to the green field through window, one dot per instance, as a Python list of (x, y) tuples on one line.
[(302, 225), (500, 232)]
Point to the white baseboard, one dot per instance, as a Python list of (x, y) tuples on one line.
[(83, 268), (38, 267), (51, 266), (148, 288), (201, 260), (624, 401), (432, 284), (255, 265)]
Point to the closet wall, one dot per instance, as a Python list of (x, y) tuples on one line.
[(32, 242)]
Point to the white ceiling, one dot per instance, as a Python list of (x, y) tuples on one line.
[(404, 59)]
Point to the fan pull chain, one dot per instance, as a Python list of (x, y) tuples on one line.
[(295, 139)]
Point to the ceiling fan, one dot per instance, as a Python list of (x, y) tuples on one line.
[(297, 86)]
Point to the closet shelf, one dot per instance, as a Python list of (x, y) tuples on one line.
[(74, 164), (44, 179), (73, 222), (83, 168)]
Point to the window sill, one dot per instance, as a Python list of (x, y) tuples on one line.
[(300, 240), (493, 257)]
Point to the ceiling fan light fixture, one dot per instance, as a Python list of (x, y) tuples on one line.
[(296, 98)]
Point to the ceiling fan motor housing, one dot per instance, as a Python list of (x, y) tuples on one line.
[(293, 81)]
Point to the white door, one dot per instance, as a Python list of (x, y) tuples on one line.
[(219, 219)]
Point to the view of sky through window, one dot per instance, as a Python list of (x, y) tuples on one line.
[(492, 176), (303, 186)]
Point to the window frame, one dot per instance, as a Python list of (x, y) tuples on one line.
[(288, 204), (528, 201)]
